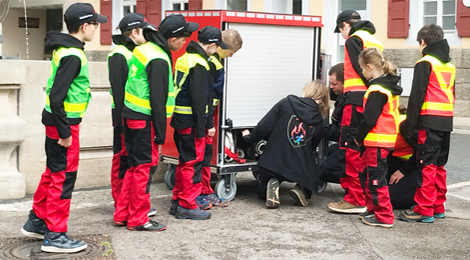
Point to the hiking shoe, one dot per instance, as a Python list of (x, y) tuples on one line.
[(215, 200), (152, 212), (195, 214), (149, 226), (411, 216), (173, 207), (120, 223), (60, 243), (34, 226), (439, 215), (272, 194), (202, 203), (346, 207), (365, 214), (298, 194), (372, 221)]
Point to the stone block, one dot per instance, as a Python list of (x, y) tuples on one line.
[(462, 76), (13, 72), (462, 91), (456, 57), (466, 58), (12, 183), (462, 108), (97, 55), (402, 58)]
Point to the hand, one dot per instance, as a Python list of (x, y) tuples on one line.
[(396, 177), (211, 132), (357, 143), (65, 142), (245, 132)]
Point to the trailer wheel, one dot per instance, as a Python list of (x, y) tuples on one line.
[(170, 176), (225, 190), (322, 186)]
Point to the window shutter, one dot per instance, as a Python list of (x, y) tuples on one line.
[(151, 9), (463, 19), (106, 29), (195, 4), (398, 18)]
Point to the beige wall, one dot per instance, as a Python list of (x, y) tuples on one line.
[(379, 17), (315, 7), (257, 5), (208, 4), (14, 38)]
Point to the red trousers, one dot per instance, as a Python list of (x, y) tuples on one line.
[(206, 169), (188, 171), (52, 198), (134, 201), (352, 115), (373, 178), (433, 152), (119, 165)]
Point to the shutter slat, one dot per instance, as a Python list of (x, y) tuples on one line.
[(398, 18), (463, 19), (195, 4), (106, 28)]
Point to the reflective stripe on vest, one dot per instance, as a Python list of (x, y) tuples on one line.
[(137, 92), (402, 149), (183, 66), (218, 66), (127, 54), (439, 99), (78, 96), (352, 80), (384, 133)]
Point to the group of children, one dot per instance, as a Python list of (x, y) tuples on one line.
[(143, 97), (370, 123)]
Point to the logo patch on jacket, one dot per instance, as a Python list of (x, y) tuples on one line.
[(375, 182), (298, 132)]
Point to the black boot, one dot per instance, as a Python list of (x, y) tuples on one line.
[(34, 226)]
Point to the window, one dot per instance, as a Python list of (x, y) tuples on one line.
[(237, 5), (128, 6), (296, 6), (178, 5), (440, 12)]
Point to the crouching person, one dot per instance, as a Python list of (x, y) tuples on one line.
[(291, 157)]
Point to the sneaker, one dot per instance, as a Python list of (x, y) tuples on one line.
[(346, 207), (152, 212), (372, 221), (272, 194), (60, 243), (298, 194), (120, 223), (202, 203), (439, 215), (149, 226), (215, 200), (365, 214), (173, 207), (195, 214), (34, 226), (411, 216)]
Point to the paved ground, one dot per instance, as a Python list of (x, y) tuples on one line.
[(247, 230)]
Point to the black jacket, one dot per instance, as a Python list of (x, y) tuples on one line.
[(293, 129), (375, 103), (419, 87), (354, 47), (157, 73), (67, 71), (198, 93), (118, 70), (333, 131)]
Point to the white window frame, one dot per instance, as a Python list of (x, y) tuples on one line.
[(181, 2), (416, 23), (131, 3), (439, 14)]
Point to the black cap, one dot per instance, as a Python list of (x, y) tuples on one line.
[(210, 34), (346, 15), (80, 13), (133, 21), (175, 25)]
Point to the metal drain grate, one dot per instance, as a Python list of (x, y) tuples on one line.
[(99, 248)]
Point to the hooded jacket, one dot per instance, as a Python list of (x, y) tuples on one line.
[(419, 87), (157, 73), (354, 47), (375, 103), (67, 71), (293, 129), (118, 72)]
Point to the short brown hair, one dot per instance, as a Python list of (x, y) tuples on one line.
[(233, 39), (351, 22), (430, 33), (337, 70)]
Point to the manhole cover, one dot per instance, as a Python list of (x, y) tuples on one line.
[(99, 247)]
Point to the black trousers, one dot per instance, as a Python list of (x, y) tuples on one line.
[(402, 193), (265, 175), (331, 169)]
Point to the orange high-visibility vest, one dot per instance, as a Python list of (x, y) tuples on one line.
[(352, 80), (402, 149), (439, 100), (384, 133)]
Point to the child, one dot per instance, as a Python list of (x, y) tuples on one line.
[(67, 97), (144, 114), (291, 157), (191, 122), (358, 35), (234, 41), (131, 26), (430, 113), (378, 132)]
